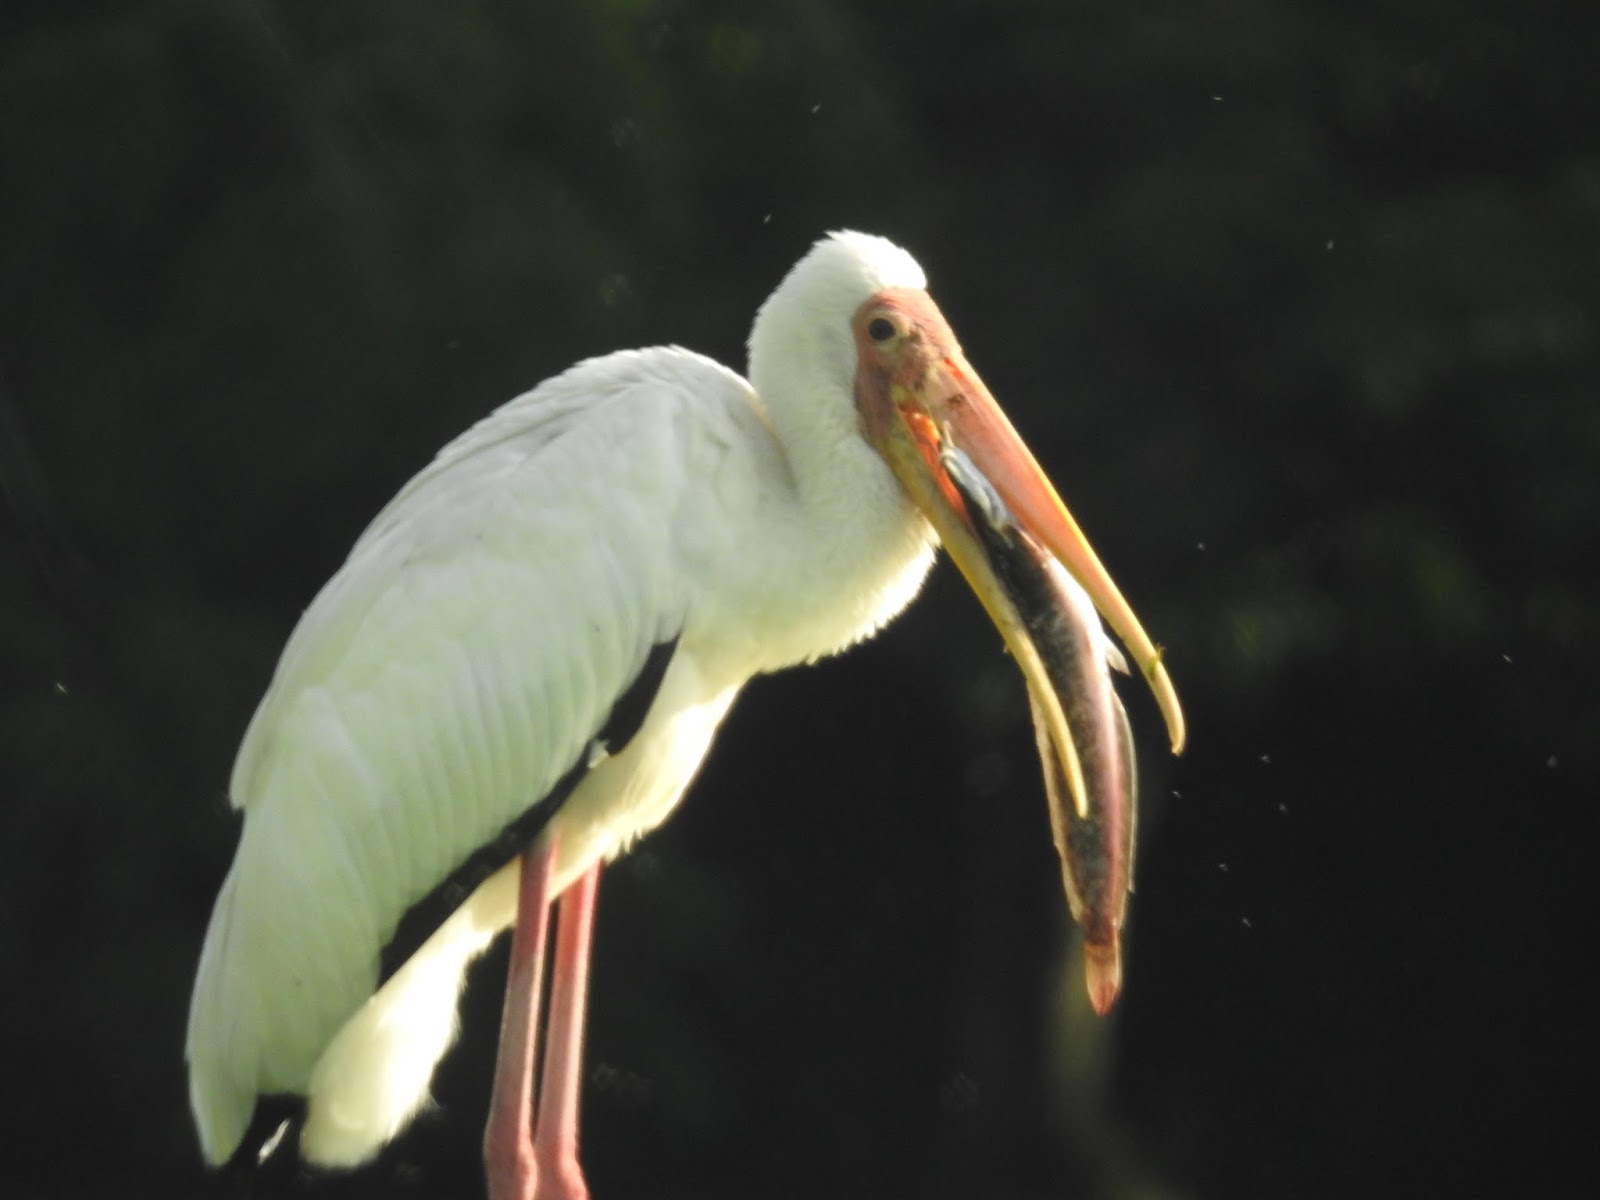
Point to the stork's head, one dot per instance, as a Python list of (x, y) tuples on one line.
[(806, 324), (866, 322)]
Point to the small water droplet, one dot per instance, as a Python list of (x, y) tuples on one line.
[(615, 289), (624, 132), (959, 1093)]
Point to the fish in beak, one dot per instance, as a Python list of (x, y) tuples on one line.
[(1093, 814), (936, 425)]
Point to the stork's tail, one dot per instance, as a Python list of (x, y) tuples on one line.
[(222, 1104)]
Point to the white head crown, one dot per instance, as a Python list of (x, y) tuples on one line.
[(807, 319)]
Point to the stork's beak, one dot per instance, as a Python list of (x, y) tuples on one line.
[(918, 396)]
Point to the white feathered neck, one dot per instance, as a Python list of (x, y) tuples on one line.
[(858, 549)]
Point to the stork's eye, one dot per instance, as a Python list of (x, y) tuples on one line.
[(880, 329)]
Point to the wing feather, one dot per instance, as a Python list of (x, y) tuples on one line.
[(444, 680)]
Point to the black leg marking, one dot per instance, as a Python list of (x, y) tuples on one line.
[(631, 708)]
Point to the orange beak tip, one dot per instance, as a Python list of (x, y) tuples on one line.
[(1160, 682), (1102, 975)]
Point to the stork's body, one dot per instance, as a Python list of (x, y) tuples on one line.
[(536, 639)]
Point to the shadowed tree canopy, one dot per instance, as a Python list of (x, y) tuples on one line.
[(1296, 301)]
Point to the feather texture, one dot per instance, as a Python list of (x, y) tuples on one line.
[(444, 679), (462, 662)]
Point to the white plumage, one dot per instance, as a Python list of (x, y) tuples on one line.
[(462, 660)]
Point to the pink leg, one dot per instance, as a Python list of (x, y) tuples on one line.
[(555, 1140), (507, 1154)]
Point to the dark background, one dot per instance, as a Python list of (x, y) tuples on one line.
[(1297, 302)]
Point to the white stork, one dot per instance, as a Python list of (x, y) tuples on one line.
[(520, 666)]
